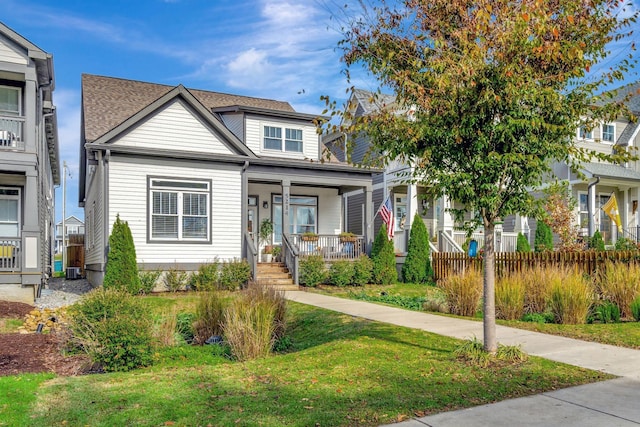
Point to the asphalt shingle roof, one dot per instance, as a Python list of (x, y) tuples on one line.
[(108, 101), (608, 170)]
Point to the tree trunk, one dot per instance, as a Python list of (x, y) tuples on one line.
[(489, 317)]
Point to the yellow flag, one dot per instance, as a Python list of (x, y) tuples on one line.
[(611, 209)]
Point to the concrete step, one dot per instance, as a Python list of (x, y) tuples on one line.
[(270, 282)]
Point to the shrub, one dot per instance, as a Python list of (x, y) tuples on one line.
[(624, 244), (597, 242), (114, 328), (122, 268), (620, 284), (175, 280), (538, 317), (472, 351), (384, 262), (184, 326), (511, 354), (417, 266), (207, 277), (635, 309), (510, 296), (543, 240), (606, 312), (571, 298), (209, 315), (312, 271), (235, 274), (148, 280), (362, 269), (522, 244), (537, 282), (252, 322), (341, 273), (463, 291)]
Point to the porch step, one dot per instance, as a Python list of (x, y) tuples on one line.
[(275, 275)]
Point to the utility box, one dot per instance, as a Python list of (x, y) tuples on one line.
[(73, 273)]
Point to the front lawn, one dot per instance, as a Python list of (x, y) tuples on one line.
[(339, 370)]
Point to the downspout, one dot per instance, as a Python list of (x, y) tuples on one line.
[(590, 208), (243, 221), (105, 207)]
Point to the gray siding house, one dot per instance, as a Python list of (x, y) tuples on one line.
[(194, 173), (29, 166)]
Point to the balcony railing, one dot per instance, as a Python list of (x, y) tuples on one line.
[(9, 254), (331, 247), (11, 133)]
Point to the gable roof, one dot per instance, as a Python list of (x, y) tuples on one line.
[(107, 101), (632, 90)]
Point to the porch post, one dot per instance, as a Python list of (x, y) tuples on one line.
[(31, 247), (244, 212), (368, 218), (286, 199), (446, 222), (592, 210), (412, 209)]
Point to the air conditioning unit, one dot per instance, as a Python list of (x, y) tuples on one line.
[(73, 273)]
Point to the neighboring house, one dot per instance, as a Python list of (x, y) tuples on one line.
[(195, 172), (72, 225), (29, 166)]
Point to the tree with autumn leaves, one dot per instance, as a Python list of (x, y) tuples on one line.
[(496, 90)]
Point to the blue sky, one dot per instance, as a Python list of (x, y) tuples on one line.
[(279, 49)]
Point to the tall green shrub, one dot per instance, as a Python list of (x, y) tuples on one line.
[(522, 244), (362, 269), (417, 266), (122, 269), (384, 261), (544, 237), (597, 242)]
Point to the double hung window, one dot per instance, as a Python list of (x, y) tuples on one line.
[(9, 101), (9, 212), (179, 210), (273, 139), (608, 133)]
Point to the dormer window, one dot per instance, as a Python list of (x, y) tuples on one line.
[(9, 101), (608, 133), (292, 139), (583, 133)]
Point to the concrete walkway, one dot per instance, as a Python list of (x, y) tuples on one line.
[(607, 403)]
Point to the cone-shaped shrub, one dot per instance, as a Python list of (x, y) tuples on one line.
[(122, 269), (596, 242), (384, 261), (417, 266), (522, 244), (544, 237)]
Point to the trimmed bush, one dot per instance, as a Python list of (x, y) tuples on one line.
[(148, 280), (417, 266), (543, 240), (235, 274), (510, 296), (624, 244), (209, 316), (620, 284), (522, 244), (122, 268), (114, 328), (635, 309), (462, 292), (312, 271), (571, 298), (175, 280), (597, 242), (341, 273), (606, 312), (384, 262), (362, 269), (207, 277)]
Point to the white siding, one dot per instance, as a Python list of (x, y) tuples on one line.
[(175, 128), (254, 135), (128, 197), (9, 54), (94, 217), (235, 123)]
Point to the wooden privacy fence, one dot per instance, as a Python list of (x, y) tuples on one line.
[(75, 252), (588, 262)]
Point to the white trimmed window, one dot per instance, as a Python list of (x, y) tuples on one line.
[(608, 133), (9, 212), (179, 210), (9, 101), (400, 208), (583, 133), (273, 139)]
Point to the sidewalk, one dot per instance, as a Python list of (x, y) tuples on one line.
[(608, 403)]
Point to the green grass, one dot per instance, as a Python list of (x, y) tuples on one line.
[(340, 371), (10, 325), (626, 334), (17, 395)]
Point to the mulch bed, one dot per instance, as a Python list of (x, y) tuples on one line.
[(21, 353)]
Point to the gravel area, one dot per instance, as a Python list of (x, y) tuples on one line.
[(61, 292)]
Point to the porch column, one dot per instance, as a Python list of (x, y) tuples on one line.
[(522, 226), (368, 218), (286, 199), (625, 212), (245, 209), (593, 214), (412, 209), (31, 249), (446, 219)]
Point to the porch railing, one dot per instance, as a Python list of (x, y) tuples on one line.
[(446, 243), (10, 254), (331, 247), (291, 256), (11, 133), (252, 254), (508, 244)]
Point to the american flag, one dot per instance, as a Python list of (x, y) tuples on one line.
[(386, 213)]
